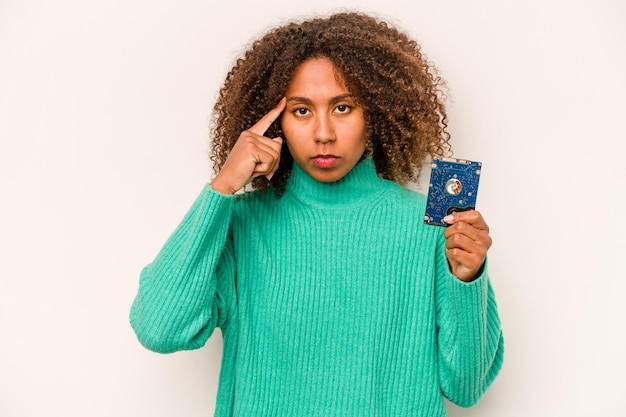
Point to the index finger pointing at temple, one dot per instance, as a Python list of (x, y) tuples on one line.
[(266, 121)]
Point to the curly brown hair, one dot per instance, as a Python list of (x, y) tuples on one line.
[(400, 91)]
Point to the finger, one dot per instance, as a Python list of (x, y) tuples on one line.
[(461, 258), (266, 121), (472, 217), (263, 144), (460, 241), (478, 242), (461, 227), (264, 161), (465, 252), (463, 265), (466, 244), (267, 158)]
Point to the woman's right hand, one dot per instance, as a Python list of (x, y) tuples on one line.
[(253, 155)]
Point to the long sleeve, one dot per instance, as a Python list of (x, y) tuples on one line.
[(470, 339), (332, 299), (188, 289)]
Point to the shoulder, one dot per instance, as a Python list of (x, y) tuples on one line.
[(254, 200), (409, 207), (404, 197)]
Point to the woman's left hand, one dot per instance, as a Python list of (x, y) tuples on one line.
[(467, 242)]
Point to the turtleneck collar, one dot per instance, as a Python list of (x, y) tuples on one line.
[(358, 186)]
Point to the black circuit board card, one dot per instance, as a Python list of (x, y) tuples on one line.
[(453, 187)]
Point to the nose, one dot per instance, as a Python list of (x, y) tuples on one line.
[(324, 131)]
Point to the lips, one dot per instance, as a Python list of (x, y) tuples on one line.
[(325, 161)]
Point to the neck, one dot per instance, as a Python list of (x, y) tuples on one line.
[(358, 186)]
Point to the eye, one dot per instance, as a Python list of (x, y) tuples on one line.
[(301, 111), (343, 108)]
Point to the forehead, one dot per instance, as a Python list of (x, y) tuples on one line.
[(316, 76)]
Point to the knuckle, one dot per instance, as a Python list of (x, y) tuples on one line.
[(454, 239), (453, 253), (245, 137)]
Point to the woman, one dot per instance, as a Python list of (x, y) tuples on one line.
[(332, 295)]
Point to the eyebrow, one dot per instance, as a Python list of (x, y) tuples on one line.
[(331, 101)]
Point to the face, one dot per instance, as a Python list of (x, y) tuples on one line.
[(324, 128)]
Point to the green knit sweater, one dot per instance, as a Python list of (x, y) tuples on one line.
[(333, 300)]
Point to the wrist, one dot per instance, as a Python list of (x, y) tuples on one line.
[(221, 186)]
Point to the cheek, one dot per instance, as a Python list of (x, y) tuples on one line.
[(360, 139), (361, 148), (290, 138), (359, 128), (288, 129), (295, 135)]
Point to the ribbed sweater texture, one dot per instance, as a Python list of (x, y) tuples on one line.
[(333, 300)]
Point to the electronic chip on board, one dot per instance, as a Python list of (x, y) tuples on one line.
[(453, 187)]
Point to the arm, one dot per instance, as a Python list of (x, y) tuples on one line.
[(187, 290), (469, 334)]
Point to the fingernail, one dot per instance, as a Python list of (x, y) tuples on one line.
[(449, 218)]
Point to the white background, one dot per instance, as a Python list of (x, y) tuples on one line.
[(104, 108)]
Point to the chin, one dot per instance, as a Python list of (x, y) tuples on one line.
[(328, 176)]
